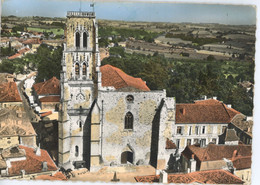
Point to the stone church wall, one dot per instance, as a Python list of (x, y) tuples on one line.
[(116, 139)]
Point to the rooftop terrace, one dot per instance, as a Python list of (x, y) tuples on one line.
[(80, 14)]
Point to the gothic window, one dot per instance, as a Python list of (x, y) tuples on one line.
[(76, 151), (85, 39), (84, 69), (129, 119), (77, 39), (130, 99), (76, 69)]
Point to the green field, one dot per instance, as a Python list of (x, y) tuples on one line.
[(56, 31)]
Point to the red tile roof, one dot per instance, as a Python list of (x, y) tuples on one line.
[(32, 41), (50, 99), (112, 76), (170, 144), (33, 163), (216, 152), (24, 50), (15, 56), (203, 177), (241, 163), (46, 114), (9, 92), (56, 176), (51, 86), (204, 111)]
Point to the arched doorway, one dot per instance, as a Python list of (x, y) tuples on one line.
[(127, 156)]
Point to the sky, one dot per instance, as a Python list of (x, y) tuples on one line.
[(136, 11)]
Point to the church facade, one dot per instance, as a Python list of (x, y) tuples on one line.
[(107, 117)]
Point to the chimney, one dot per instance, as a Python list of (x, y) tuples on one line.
[(215, 97), (183, 111), (22, 173), (229, 105), (38, 150), (163, 177), (44, 166), (234, 155)]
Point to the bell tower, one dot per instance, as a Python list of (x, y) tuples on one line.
[(80, 78)]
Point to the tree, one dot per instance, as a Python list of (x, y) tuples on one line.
[(210, 58)]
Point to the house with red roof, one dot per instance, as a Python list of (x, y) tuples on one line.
[(25, 162), (9, 95), (201, 122), (33, 44), (47, 94), (234, 158)]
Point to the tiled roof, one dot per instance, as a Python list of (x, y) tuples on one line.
[(50, 99), (15, 123), (15, 56), (204, 111), (241, 163), (203, 177), (24, 50), (231, 135), (170, 144), (33, 163), (56, 176), (51, 86), (46, 114), (240, 122), (4, 76), (112, 76), (13, 152), (32, 41), (9, 92), (216, 152)]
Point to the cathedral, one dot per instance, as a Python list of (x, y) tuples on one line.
[(106, 117)]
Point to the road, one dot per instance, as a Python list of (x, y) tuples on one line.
[(27, 108)]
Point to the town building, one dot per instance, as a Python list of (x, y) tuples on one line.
[(243, 127), (9, 96), (234, 158), (15, 128), (47, 94), (201, 122), (22, 162)]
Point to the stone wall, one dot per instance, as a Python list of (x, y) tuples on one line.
[(115, 138)]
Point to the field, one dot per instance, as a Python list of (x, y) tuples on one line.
[(56, 31)]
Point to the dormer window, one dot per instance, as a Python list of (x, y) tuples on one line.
[(130, 99)]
